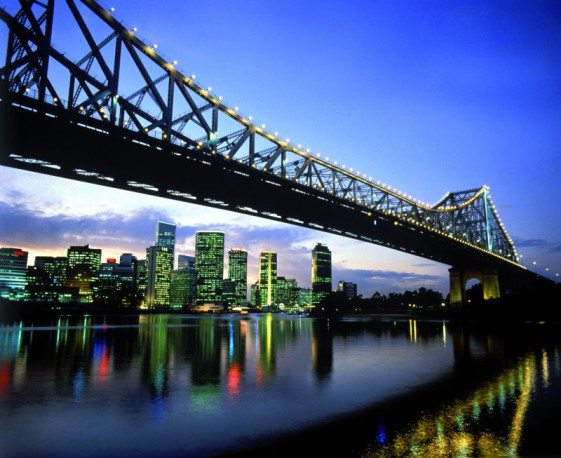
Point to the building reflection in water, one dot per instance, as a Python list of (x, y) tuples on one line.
[(160, 365), (468, 427)]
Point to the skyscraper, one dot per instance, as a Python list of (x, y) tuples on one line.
[(321, 273), (267, 277), (237, 271), (183, 283), (159, 264), (209, 263), (159, 260), (165, 236), (83, 270), (13, 273)]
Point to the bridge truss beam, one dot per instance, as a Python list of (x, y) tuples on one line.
[(121, 85)]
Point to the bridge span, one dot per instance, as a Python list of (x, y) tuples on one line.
[(167, 136)]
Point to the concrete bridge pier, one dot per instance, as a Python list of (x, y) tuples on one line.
[(459, 277)]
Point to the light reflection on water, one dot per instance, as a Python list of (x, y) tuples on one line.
[(198, 385), (458, 428)]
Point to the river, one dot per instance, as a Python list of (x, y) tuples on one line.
[(252, 385)]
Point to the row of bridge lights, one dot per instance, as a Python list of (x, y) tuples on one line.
[(287, 140), (318, 155), (546, 270)]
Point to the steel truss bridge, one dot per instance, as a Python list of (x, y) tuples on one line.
[(121, 115)]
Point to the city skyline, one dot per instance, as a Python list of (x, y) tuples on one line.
[(427, 98), (232, 263)]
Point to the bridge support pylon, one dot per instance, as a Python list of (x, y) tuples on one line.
[(459, 277)]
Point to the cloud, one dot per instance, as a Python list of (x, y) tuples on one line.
[(538, 243), (38, 233)]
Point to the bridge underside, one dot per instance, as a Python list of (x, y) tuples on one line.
[(70, 146)]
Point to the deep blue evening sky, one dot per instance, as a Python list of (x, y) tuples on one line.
[(427, 96)]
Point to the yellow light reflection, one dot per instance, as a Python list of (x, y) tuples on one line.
[(545, 369), (453, 430), (413, 330)]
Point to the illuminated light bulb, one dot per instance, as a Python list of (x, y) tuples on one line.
[(174, 62), (219, 97), (155, 45), (134, 29), (276, 134), (209, 88), (111, 9), (326, 158), (193, 77), (236, 108), (263, 126), (250, 118), (318, 155), (287, 140)]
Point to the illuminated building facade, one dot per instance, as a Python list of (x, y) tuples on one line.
[(13, 273), (159, 260), (229, 292), (183, 283), (159, 265), (209, 264), (305, 297), (350, 289), (165, 236), (237, 272), (254, 294), (321, 273), (140, 279), (83, 270), (267, 277)]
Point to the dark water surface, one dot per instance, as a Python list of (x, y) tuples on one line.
[(185, 385)]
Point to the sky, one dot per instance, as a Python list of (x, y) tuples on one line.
[(427, 96)]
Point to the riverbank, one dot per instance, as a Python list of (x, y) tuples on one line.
[(483, 312)]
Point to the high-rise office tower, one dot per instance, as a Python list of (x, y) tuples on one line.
[(159, 260), (321, 273), (237, 271), (209, 264), (13, 273), (158, 273), (183, 283), (165, 236), (83, 270), (267, 277)]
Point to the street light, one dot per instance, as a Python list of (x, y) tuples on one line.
[(535, 268)]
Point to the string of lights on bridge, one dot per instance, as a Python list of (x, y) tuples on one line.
[(209, 95), (274, 136)]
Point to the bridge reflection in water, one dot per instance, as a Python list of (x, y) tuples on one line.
[(462, 428)]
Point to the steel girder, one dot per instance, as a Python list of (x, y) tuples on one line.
[(182, 113)]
